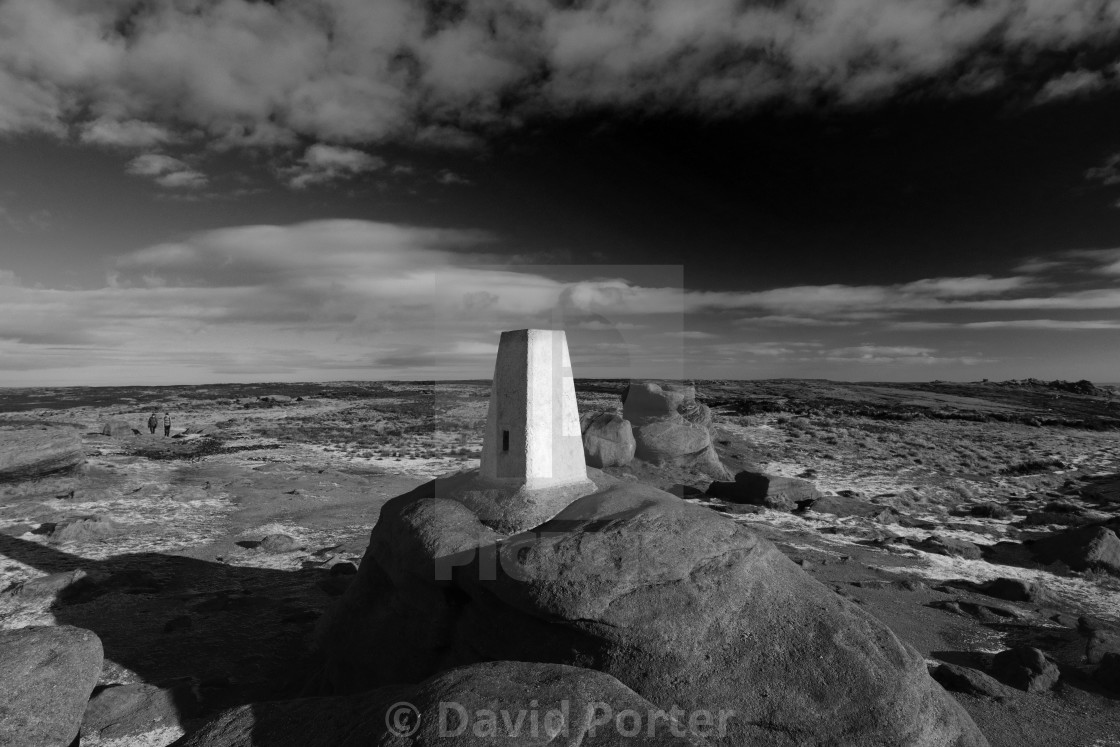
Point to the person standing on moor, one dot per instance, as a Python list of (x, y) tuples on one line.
[(166, 424), (153, 421)]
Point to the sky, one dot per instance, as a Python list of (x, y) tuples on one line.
[(206, 191)]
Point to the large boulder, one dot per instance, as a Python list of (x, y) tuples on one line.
[(608, 440), (644, 402), (1091, 547), (507, 509), (46, 677), (1026, 668), (678, 443), (497, 703), (118, 429), (31, 453), (678, 603), (758, 489)]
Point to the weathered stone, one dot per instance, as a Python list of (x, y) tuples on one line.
[(676, 602), (645, 402), (839, 505), (34, 452), (782, 493), (84, 529), (608, 440), (280, 543), (1101, 643), (46, 676), (508, 703), (120, 711), (1108, 672), (970, 681), (1017, 590), (1092, 547), (117, 429), (1025, 668), (951, 546)]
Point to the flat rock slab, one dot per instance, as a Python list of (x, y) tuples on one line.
[(31, 453)]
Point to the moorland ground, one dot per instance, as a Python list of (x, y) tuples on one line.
[(186, 584)]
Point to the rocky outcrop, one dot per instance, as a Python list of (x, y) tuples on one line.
[(496, 703), (1091, 547), (676, 602), (670, 428), (608, 440), (1025, 668), (46, 677), (678, 443), (645, 402), (32, 453), (758, 489)]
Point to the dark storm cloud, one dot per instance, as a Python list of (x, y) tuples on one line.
[(232, 72)]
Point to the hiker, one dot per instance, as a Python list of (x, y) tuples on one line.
[(166, 424), (153, 421)]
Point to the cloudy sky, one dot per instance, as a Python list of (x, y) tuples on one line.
[(198, 191)]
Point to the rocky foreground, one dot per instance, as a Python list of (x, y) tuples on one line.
[(804, 562)]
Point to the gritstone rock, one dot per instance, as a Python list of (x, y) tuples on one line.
[(46, 676), (678, 603), (1082, 548), (117, 429), (608, 440), (782, 493), (542, 704), (30, 453), (1025, 668)]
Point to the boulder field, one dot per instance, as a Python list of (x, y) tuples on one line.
[(678, 603)]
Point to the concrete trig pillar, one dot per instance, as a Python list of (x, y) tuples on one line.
[(532, 428)]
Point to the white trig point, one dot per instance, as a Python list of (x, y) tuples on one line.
[(532, 429)]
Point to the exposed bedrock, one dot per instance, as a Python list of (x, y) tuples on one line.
[(31, 453), (678, 603), (496, 703)]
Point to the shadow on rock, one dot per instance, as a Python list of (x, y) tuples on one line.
[(208, 635)]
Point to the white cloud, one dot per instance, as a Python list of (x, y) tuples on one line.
[(131, 133), (326, 163), (1107, 173), (166, 171), (1031, 324), (691, 334), (352, 71), (1070, 84)]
